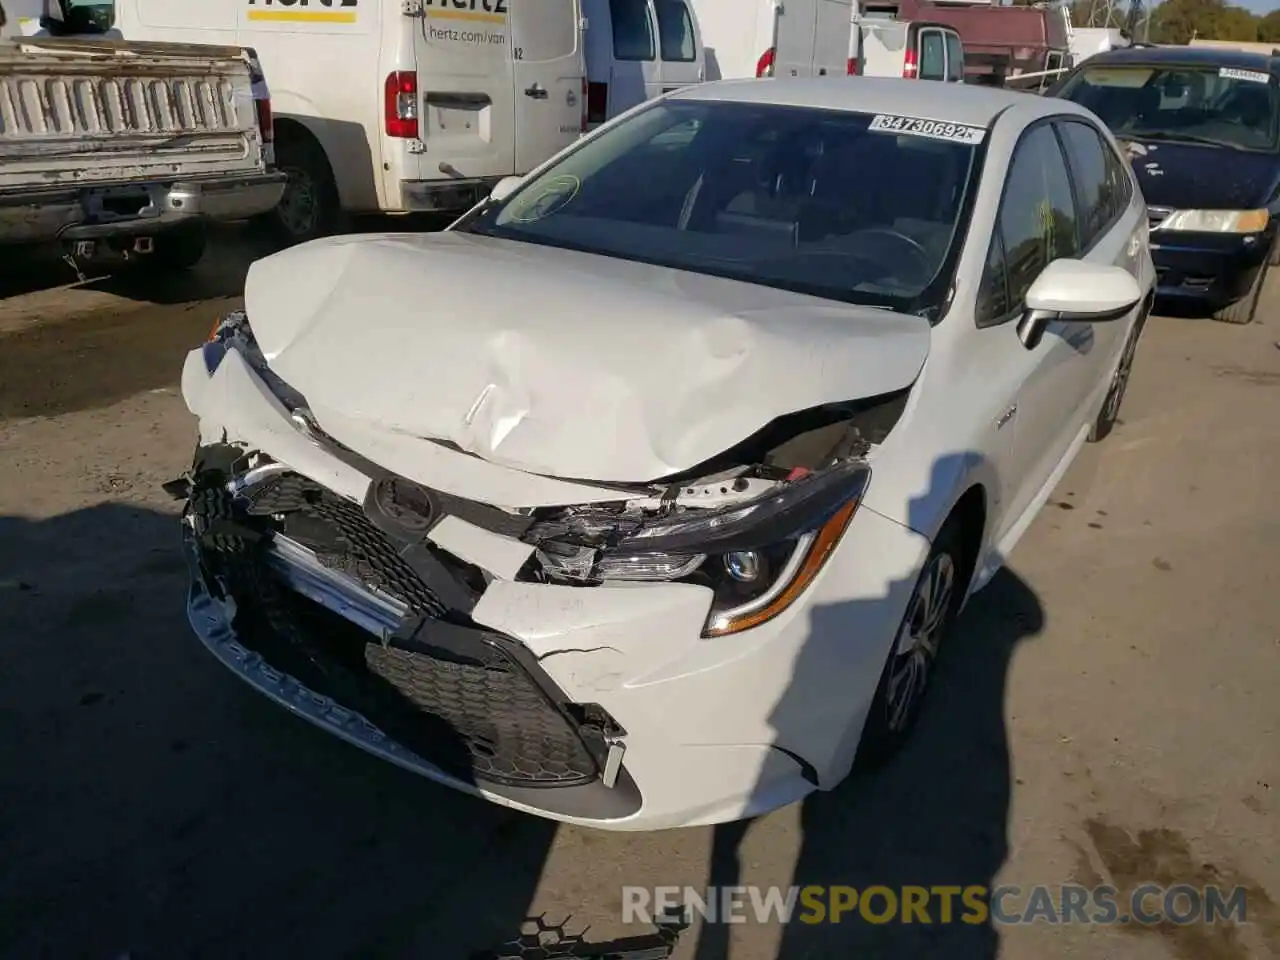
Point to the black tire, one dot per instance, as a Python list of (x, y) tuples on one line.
[(178, 249), (1110, 411), (895, 710), (1245, 309), (309, 208), (1274, 259)]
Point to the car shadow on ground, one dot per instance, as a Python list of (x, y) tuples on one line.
[(935, 816), (155, 806)]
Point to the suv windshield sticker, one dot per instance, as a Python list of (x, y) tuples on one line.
[(933, 129), (1253, 76)]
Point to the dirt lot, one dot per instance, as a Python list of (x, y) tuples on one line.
[(1110, 708)]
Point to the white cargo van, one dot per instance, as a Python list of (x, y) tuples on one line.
[(774, 38), (395, 105), (638, 49), (911, 49)]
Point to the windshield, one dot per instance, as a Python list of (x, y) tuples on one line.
[(836, 204), (1221, 106)]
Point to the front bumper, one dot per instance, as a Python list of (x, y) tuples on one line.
[(1208, 270), (707, 730), (132, 209)]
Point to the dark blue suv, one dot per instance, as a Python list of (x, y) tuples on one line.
[(1202, 128)]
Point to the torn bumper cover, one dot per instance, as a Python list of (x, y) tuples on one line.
[(334, 624)]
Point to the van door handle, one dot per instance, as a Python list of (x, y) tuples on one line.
[(822, 71), (537, 91)]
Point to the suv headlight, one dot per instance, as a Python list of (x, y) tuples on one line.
[(1217, 221), (757, 557)]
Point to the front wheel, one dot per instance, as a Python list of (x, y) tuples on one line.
[(1244, 310), (1110, 411), (930, 614)]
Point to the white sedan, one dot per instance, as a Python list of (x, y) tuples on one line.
[(644, 495)]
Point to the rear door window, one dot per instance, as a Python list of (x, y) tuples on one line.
[(955, 57), (547, 31), (632, 30), (933, 55), (676, 39), (1095, 209)]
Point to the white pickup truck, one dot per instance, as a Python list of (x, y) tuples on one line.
[(132, 147)]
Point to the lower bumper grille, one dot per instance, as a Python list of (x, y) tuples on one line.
[(469, 700)]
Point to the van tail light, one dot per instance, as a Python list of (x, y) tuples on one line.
[(586, 108), (854, 68), (597, 102), (261, 97), (764, 66), (401, 104), (911, 64)]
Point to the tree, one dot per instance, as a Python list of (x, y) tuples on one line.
[(1269, 27), (1178, 21)]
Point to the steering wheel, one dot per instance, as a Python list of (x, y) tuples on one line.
[(879, 255)]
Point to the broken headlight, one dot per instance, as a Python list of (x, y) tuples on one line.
[(757, 557)]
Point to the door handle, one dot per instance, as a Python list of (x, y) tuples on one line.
[(537, 91), (822, 71)]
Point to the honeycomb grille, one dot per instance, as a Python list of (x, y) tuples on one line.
[(473, 710), (359, 548)]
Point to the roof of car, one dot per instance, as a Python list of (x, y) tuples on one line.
[(1195, 56), (953, 102)]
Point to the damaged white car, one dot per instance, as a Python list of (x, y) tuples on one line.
[(643, 495)]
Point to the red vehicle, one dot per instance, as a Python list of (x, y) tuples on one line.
[(1000, 43)]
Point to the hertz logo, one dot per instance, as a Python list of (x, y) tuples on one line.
[(303, 11)]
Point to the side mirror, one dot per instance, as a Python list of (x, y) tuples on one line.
[(1075, 291), (504, 188)]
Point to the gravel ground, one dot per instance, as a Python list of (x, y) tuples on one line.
[(1109, 711)]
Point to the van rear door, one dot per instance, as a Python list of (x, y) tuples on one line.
[(831, 37), (796, 22), (550, 78), (464, 79), (679, 45)]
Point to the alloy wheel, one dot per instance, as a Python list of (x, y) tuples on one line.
[(1120, 382), (917, 643)]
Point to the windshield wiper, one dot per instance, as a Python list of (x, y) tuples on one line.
[(1182, 138)]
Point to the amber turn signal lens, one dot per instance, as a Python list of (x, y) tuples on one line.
[(819, 550)]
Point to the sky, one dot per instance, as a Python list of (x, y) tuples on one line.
[(1259, 6)]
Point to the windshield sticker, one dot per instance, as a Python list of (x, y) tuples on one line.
[(546, 199), (933, 129), (1124, 77), (1253, 76)]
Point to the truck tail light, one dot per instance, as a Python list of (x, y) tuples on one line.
[(597, 102), (764, 66), (911, 64), (401, 104), (261, 97)]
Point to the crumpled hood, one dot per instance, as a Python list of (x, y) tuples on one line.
[(555, 362)]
